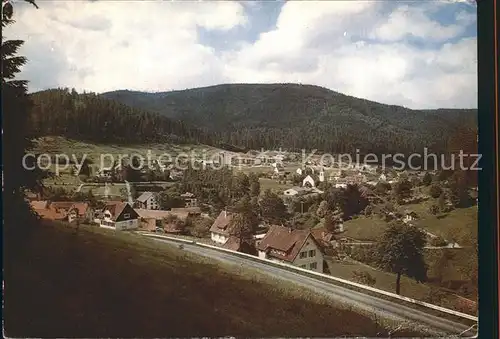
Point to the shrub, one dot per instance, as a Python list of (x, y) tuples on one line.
[(438, 242), (427, 179), (389, 217), (365, 254), (435, 191), (200, 227), (434, 209), (363, 277)]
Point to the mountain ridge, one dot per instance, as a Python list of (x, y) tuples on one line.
[(274, 115)]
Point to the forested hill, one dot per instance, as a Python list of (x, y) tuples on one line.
[(303, 116), (92, 117)]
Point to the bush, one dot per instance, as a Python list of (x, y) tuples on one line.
[(435, 191), (434, 295), (438, 242), (365, 254), (427, 179), (389, 217), (199, 227), (434, 209), (363, 277)]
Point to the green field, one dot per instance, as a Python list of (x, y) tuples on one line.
[(273, 185), (97, 283), (365, 228), (459, 224), (106, 152)]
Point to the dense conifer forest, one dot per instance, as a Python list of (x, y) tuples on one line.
[(88, 116), (244, 117)]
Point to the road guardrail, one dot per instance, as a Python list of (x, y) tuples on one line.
[(322, 275)]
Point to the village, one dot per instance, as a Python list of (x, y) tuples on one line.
[(302, 189)]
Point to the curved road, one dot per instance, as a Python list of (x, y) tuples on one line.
[(383, 308)]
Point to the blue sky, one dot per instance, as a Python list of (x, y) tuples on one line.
[(417, 54)]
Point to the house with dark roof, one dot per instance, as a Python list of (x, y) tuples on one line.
[(219, 232), (147, 200), (295, 247), (119, 216)]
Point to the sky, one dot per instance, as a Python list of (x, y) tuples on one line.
[(419, 54)]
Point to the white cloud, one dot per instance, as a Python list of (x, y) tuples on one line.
[(351, 47), (141, 45), (410, 21)]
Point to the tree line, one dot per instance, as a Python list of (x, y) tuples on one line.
[(88, 116), (334, 129)]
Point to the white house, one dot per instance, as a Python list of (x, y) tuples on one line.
[(119, 216), (296, 247), (409, 216), (308, 182), (80, 211), (322, 175), (219, 232), (147, 201)]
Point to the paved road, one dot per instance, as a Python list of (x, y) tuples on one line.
[(384, 308)]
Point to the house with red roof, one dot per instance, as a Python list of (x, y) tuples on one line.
[(57, 210), (80, 211), (295, 247), (219, 232), (119, 216), (221, 235), (234, 243)]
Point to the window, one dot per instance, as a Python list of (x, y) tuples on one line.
[(312, 253), (302, 266), (303, 255), (313, 265), (126, 215)]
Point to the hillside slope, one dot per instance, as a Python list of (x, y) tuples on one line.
[(98, 283), (302, 116), (87, 116)]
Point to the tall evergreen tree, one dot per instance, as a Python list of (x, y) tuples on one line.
[(245, 222), (18, 175)]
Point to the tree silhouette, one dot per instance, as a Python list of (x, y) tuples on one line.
[(352, 201), (401, 250), (245, 221), (16, 106), (272, 208)]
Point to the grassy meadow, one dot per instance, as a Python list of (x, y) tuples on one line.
[(98, 283)]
